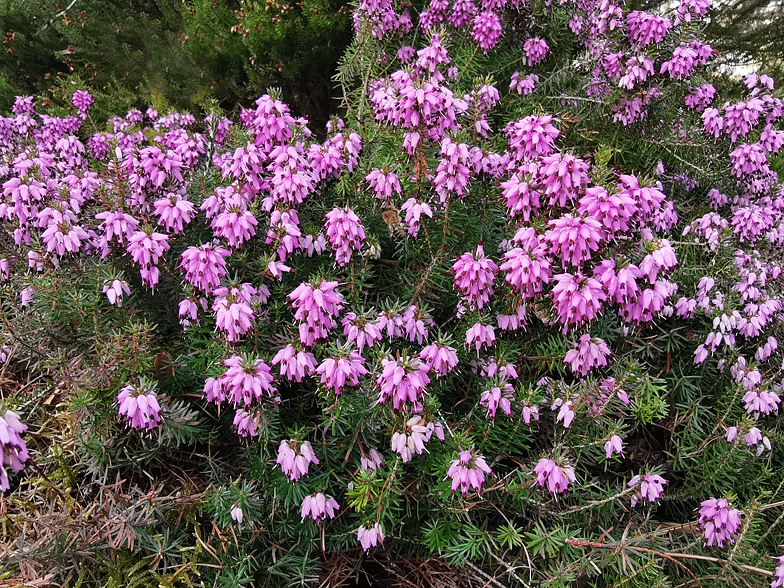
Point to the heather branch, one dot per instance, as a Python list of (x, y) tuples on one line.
[(671, 556)]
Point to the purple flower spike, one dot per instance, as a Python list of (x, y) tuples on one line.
[(719, 520)]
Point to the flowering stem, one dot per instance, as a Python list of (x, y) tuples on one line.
[(436, 260), (720, 422), (577, 543), (592, 503), (465, 69)]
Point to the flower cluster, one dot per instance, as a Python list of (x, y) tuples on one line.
[(648, 487), (588, 354), (719, 520), (403, 380), (474, 277), (246, 380), (468, 472), (556, 477), (294, 457), (315, 306), (346, 368), (139, 405), (318, 507), (13, 451), (344, 231)]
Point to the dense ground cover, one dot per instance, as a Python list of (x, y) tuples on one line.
[(516, 312)]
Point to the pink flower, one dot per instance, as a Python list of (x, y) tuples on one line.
[(563, 175), (531, 137), (761, 401), (512, 322), (480, 335), (373, 462), (755, 438), (383, 183), (474, 277), (403, 380), (689, 8), (462, 11), (566, 412), (204, 266), (82, 101), (778, 580), (284, 232), (741, 117), (535, 50), (749, 159), (528, 269), (614, 211), (318, 507), (26, 296), (63, 237), (468, 471), (233, 313), (390, 321), (294, 457), (700, 97), (644, 28), (573, 239), (651, 487), (613, 445), (405, 54), (556, 477), (648, 199), (525, 85), (411, 440), (236, 514), (295, 363), (344, 230), (115, 225), (530, 411), (370, 536), (146, 248), (649, 302), (499, 396), (140, 406), (588, 354), (246, 423), (314, 306), (360, 329), (453, 170), (577, 299), (213, 391), (439, 357), (342, 370), (719, 520), (236, 224), (174, 211), (416, 324), (13, 450), (684, 60), (621, 286), (486, 31), (414, 210), (246, 380), (521, 197), (313, 244), (713, 122), (114, 290)]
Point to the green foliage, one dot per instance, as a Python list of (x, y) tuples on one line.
[(191, 502)]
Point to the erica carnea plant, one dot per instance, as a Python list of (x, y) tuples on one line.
[(517, 310)]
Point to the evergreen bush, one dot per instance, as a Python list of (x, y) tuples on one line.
[(517, 313)]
